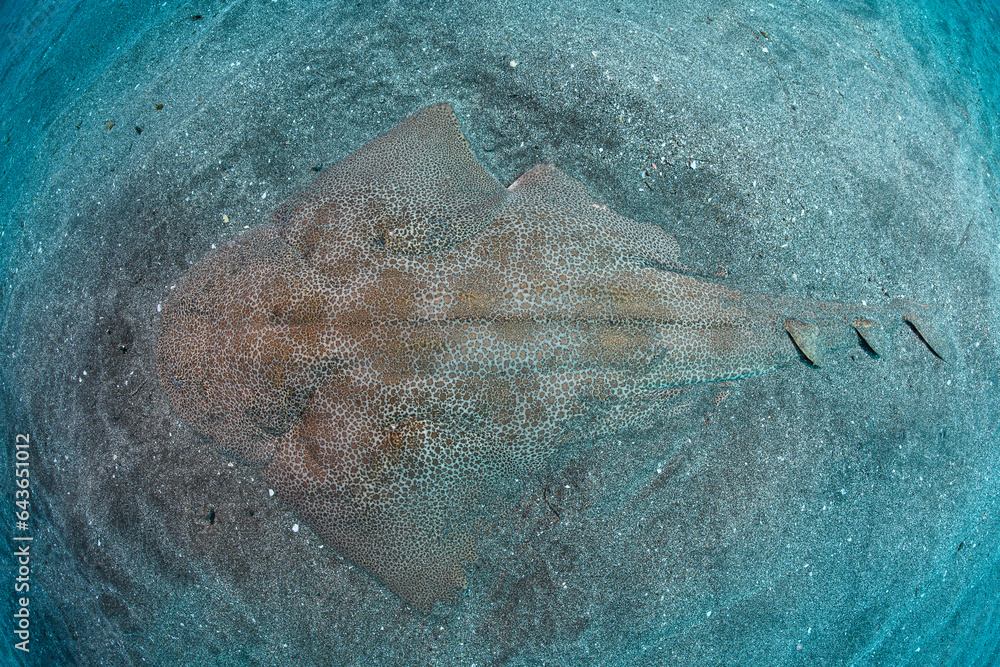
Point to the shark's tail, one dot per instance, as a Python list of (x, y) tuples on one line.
[(874, 330)]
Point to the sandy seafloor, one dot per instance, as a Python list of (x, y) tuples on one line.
[(848, 515)]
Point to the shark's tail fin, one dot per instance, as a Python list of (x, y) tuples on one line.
[(921, 320), (873, 331)]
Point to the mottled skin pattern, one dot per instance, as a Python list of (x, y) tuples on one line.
[(407, 337)]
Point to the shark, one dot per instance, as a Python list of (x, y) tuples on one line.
[(407, 340)]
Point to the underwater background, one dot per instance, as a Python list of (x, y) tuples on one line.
[(848, 515)]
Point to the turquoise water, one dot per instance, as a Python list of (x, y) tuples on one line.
[(840, 516)]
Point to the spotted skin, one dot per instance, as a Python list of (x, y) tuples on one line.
[(407, 338)]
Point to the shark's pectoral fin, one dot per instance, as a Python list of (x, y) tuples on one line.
[(404, 502), (417, 188)]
